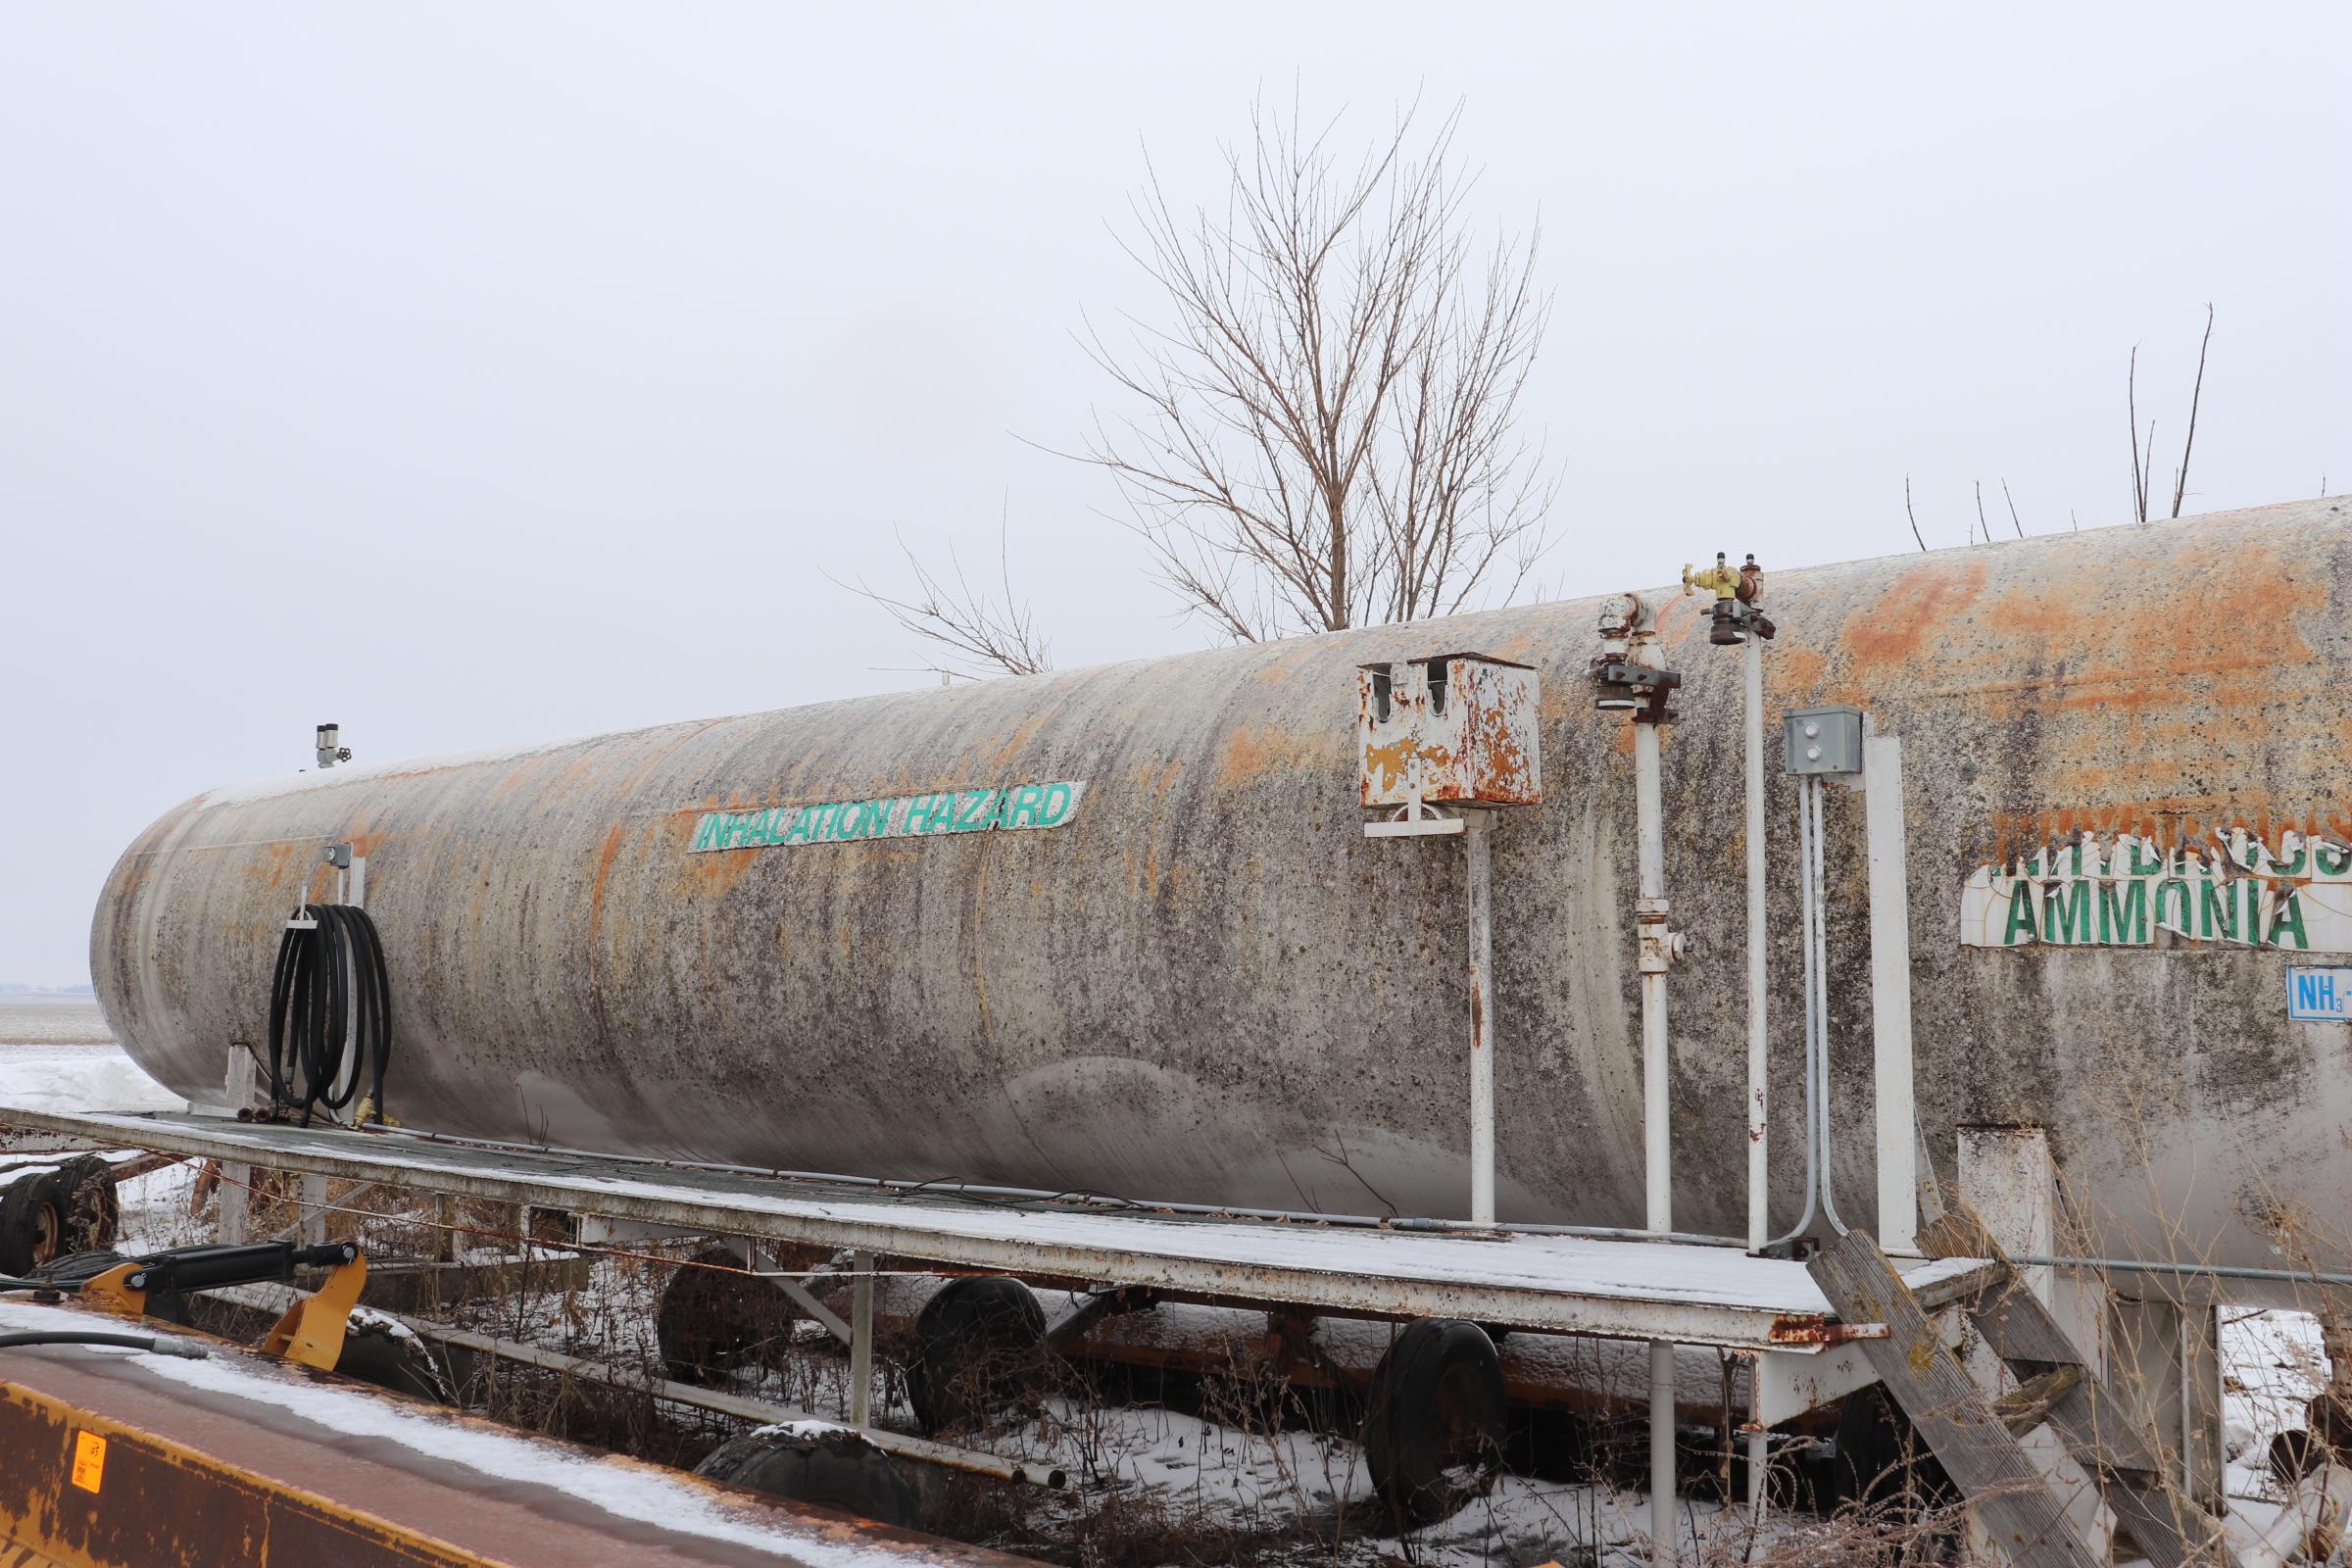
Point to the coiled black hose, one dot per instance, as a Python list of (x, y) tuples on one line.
[(330, 1012)]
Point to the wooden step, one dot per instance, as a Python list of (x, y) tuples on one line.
[(2007, 1490)]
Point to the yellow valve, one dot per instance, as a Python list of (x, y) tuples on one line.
[(1720, 577), (1737, 595)]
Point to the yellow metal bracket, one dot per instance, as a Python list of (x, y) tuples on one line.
[(110, 1293), (312, 1330)]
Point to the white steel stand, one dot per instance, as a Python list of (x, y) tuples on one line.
[(1891, 992), (861, 1340), (1655, 946), (1759, 1066), (1481, 1012), (1419, 820)]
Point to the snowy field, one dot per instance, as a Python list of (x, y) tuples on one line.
[(1236, 1485), (36, 1018)]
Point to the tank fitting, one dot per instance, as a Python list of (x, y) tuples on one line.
[(1628, 676), (1738, 594)]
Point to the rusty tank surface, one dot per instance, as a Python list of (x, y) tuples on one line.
[(1119, 929)]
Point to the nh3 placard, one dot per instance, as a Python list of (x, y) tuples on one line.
[(2319, 996)]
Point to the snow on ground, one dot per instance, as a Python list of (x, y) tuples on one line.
[(74, 1077), (52, 1018), (57, 1054)]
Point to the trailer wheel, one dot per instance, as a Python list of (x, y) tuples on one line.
[(977, 1344), (833, 1467), (1882, 1459), (716, 1318), (1434, 1429), (378, 1353), (92, 1209), (33, 1222)]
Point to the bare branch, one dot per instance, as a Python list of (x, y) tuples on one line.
[(1324, 433), (1913, 516), (1984, 527), (2140, 483), (2197, 393), (2012, 500), (974, 635)]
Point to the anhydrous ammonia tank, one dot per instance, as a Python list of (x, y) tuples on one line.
[(1119, 929)]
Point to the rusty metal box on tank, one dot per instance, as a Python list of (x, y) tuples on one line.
[(1451, 729)]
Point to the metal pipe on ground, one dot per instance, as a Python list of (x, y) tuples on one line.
[(898, 1444)]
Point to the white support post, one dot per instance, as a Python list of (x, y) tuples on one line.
[(236, 1190), (1891, 992), (314, 1210), (861, 1342), (1759, 1183), (235, 1202), (1760, 1057), (1653, 944), (359, 882), (1482, 1017)]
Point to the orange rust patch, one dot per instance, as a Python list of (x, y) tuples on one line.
[(1910, 616), (1253, 751), (1794, 671)]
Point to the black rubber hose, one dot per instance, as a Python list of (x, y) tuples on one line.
[(127, 1342), (330, 1012)]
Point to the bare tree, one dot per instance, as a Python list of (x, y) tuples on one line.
[(2144, 459), (969, 633), (1326, 433)]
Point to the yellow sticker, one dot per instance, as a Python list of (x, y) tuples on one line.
[(89, 1460)]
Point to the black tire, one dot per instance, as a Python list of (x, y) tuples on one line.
[(390, 1359), (32, 1223), (1434, 1426), (833, 1468), (92, 1209), (978, 1344), (77, 1267), (1881, 1460), (714, 1319)]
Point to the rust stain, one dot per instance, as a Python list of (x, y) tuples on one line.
[(1910, 617), (1253, 751)]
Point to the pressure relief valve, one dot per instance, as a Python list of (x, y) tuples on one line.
[(1738, 594)]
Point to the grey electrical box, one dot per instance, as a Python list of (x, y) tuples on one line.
[(1824, 742)]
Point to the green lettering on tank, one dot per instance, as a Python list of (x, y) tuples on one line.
[(2021, 915), (2124, 913), (2290, 920), (984, 808)]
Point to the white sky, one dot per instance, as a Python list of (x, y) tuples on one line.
[(470, 372)]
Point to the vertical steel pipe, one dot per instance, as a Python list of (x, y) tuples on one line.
[(1759, 1190), (1658, 1130), (1482, 1019), (1759, 1060)]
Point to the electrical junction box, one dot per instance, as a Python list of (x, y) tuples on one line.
[(1452, 729), (1822, 742)]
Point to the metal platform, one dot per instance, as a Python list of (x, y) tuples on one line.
[(118, 1457), (1689, 1294)]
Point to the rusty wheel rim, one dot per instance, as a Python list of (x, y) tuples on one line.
[(48, 1231)]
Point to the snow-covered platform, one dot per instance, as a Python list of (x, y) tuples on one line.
[(1691, 1294), (136, 1457)]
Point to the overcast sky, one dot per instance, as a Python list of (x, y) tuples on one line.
[(475, 372)]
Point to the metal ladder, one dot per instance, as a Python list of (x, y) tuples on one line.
[(1974, 1433)]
